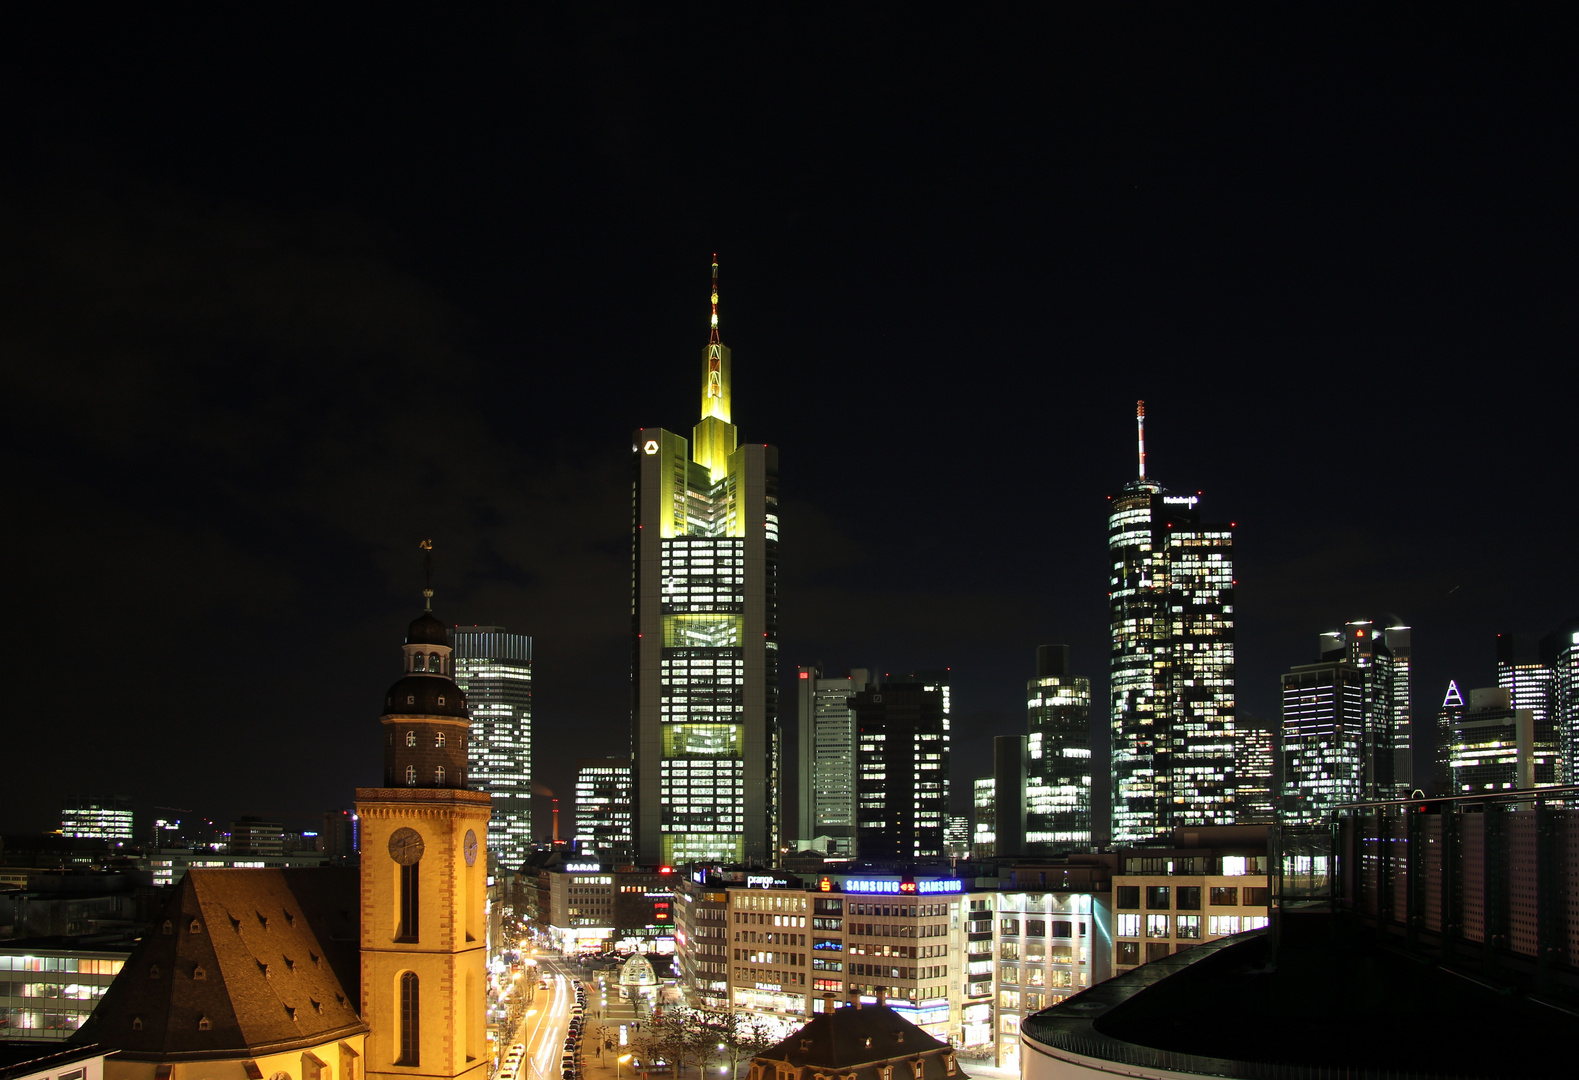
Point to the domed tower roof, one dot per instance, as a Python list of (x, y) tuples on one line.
[(427, 630), (425, 695)]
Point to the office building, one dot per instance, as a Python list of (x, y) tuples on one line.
[(956, 836), (97, 818), (860, 937), (1207, 884), (705, 634), (47, 993), (603, 808), (902, 767), (1046, 946), (1171, 671), (984, 805), (826, 736), (254, 836), (1447, 719), (1057, 789), (1541, 674), (1323, 738), (1383, 655), (702, 935), (1255, 772), (1496, 747), (494, 668)]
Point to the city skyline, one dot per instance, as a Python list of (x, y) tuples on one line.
[(262, 342)]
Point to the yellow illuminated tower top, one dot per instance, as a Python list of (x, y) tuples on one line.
[(714, 438)]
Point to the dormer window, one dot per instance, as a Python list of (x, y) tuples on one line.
[(441, 699), (411, 699), (411, 736), (411, 775), (203, 1024), (199, 975), (438, 740)]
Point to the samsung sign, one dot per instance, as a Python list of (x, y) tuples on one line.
[(903, 888)]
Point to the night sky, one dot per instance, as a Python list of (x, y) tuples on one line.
[(283, 296)]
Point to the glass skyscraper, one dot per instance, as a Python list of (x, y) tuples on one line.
[(1323, 738), (1383, 655), (1058, 756), (1171, 669), (494, 668), (902, 768), (603, 807), (107, 817), (826, 737), (704, 613)]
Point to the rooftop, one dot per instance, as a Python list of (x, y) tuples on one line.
[(1332, 998)]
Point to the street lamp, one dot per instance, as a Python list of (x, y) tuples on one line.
[(622, 1059)]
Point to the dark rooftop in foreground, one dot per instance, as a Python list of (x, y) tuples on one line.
[(1333, 999), (855, 1041)]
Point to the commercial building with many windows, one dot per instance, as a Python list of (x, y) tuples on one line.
[(603, 808), (494, 668), (1171, 694), (902, 771), (827, 758), (1209, 884), (1058, 756), (704, 634)]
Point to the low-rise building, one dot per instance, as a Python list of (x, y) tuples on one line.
[(46, 992), (1211, 883)]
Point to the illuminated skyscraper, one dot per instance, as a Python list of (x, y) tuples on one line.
[(1171, 694), (603, 807), (1383, 656), (704, 614), (1255, 772), (1058, 756), (1497, 747), (1565, 695), (902, 767), (495, 669), (1447, 720), (827, 757), (1323, 738)]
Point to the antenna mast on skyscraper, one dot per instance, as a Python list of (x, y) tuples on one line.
[(714, 339), (426, 547), (1140, 435)]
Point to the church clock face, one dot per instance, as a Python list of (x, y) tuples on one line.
[(405, 846), (471, 847)]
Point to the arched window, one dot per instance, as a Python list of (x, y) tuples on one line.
[(410, 1011), (411, 775), (438, 775), (434, 663), (411, 738), (438, 740), (418, 662)]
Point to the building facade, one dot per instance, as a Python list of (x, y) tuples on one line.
[(902, 769), (1496, 747), (826, 736), (47, 994), (1323, 738), (107, 817), (603, 808), (705, 634), (1256, 771), (1058, 756), (494, 668), (1171, 669), (1383, 655), (1168, 900)]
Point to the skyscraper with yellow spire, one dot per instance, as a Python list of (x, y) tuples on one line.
[(704, 615)]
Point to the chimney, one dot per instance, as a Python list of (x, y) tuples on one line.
[(556, 822)]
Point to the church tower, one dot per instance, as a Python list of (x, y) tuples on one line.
[(423, 884)]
